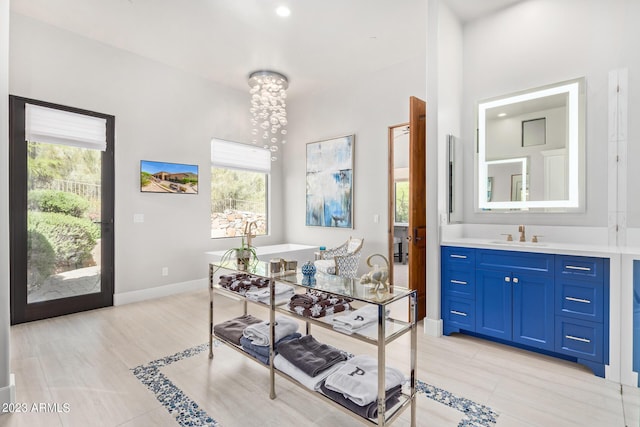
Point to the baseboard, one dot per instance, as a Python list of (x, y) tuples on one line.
[(8, 394), (158, 292), (433, 327)]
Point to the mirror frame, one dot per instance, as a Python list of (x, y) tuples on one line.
[(392, 197), (575, 89)]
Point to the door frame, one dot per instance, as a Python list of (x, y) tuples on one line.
[(416, 240), (21, 311)]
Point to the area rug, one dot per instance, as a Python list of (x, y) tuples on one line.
[(188, 413)]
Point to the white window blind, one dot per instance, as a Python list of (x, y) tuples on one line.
[(53, 126), (233, 155)]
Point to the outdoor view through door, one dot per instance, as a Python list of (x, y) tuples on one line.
[(61, 210)]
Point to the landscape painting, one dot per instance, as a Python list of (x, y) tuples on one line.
[(163, 177), (329, 197)]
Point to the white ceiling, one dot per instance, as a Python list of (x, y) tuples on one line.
[(322, 41)]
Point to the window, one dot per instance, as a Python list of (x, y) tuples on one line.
[(239, 188)]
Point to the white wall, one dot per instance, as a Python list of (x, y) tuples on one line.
[(366, 108), (630, 34), (7, 393), (538, 42), (161, 114), (444, 103)]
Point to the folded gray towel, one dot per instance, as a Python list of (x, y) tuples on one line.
[(309, 355), (231, 330)]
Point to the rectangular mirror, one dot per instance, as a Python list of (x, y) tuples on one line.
[(531, 149), (454, 179)]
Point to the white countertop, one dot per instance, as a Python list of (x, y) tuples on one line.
[(541, 247)]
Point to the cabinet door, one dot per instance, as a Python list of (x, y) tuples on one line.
[(493, 304), (533, 310)]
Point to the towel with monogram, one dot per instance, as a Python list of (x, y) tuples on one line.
[(392, 397), (357, 379), (356, 320)]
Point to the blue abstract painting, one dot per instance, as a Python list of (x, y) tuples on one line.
[(330, 182)]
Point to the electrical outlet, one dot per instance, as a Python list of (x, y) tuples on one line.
[(138, 218), (165, 271)]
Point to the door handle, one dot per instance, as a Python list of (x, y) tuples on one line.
[(106, 221)]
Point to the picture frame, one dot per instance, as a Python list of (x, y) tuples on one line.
[(329, 182), (534, 132), (166, 177)]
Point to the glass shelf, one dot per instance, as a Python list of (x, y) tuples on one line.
[(337, 285)]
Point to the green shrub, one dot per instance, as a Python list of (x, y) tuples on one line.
[(145, 179), (41, 258), (71, 238), (58, 201)]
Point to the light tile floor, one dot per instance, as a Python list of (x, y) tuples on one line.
[(85, 361)]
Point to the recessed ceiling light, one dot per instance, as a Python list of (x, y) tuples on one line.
[(502, 114), (283, 11)]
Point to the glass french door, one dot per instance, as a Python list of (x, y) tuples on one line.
[(61, 213)]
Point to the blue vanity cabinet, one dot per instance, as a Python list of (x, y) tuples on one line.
[(555, 304), (582, 312), (515, 296), (458, 289)]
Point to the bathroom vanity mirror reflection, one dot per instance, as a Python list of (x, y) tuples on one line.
[(531, 149)]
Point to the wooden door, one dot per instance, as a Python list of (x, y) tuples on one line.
[(417, 202)]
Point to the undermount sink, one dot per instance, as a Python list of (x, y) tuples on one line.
[(516, 243)]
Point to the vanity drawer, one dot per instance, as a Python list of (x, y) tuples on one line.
[(459, 258), (580, 299), (580, 339), (459, 283), (460, 313), (515, 261), (580, 268)]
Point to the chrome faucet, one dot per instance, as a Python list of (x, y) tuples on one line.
[(521, 230), (248, 233)]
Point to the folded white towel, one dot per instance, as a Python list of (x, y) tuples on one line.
[(312, 383), (357, 379), (353, 321), (259, 333), (262, 293), (279, 299)]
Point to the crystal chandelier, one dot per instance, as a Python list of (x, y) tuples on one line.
[(268, 109)]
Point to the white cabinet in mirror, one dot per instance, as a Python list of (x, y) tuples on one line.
[(531, 150)]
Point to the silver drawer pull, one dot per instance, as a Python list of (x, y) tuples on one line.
[(576, 267), (458, 256), (458, 282), (571, 337), (585, 301), (459, 313)]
